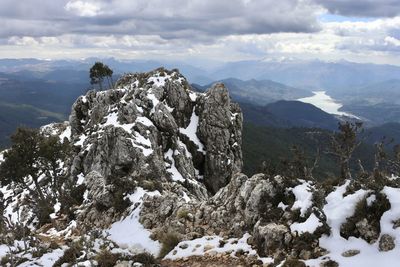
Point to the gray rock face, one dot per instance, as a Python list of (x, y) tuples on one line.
[(386, 243), (218, 127), (98, 191), (153, 127), (271, 237), (232, 211), (367, 231)]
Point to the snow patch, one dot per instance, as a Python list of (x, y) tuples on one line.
[(211, 244), (371, 199), (66, 134), (190, 131), (129, 232), (175, 174), (310, 225), (303, 195)]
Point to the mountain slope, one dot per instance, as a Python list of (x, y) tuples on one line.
[(18, 115), (33, 102), (285, 114), (260, 92)]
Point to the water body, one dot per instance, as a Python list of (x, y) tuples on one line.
[(323, 101)]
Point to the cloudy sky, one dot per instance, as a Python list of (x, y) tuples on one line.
[(223, 30)]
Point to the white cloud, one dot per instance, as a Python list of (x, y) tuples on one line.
[(83, 9), (392, 41), (23, 41), (220, 30)]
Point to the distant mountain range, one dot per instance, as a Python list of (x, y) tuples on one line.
[(33, 102), (260, 92), (308, 75)]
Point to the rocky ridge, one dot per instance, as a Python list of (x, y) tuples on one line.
[(154, 129), (153, 160)]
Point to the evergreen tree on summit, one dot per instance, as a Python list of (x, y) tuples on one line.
[(98, 72)]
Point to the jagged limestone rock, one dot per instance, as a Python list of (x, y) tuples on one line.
[(271, 238), (218, 121), (155, 127), (367, 231), (386, 243)]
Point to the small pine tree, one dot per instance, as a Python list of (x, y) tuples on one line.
[(98, 72)]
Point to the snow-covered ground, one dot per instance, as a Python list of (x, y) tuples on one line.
[(211, 244), (129, 233), (340, 206)]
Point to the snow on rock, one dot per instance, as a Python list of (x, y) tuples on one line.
[(303, 194), (13, 209), (387, 219), (57, 208), (171, 168), (337, 209), (371, 199), (160, 78), (186, 197), (81, 141), (112, 119), (211, 244), (154, 100), (66, 134), (46, 260), (190, 131), (282, 206), (193, 96), (3, 250), (129, 233), (137, 139), (310, 225), (81, 179)]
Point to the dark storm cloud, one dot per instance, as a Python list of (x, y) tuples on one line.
[(362, 8), (178, 19)]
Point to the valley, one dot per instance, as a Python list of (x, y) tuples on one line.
[(323, 101)]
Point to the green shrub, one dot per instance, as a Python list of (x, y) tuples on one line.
[(169, 241), (183, 214), (120, 203), (14, 261), (372, 214), (43, 209), (106, 259), (70, 255), (293, 263), (39, 251), (145, 258), (329, 263), (151, 185)]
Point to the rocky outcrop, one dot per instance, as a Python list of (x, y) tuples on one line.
[(219, 127), (154, 127), (263, 206)]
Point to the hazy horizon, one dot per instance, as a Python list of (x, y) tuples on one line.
[(203, 31)]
